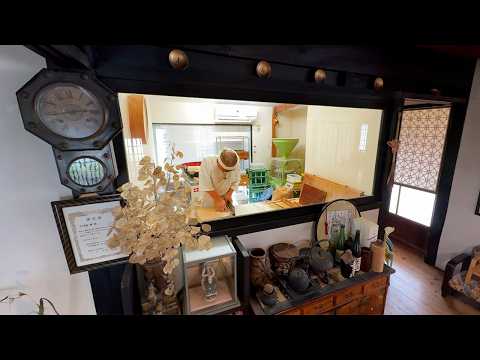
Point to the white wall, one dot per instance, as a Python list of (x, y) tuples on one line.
[(262, 136), (171, 109), (333, 136), (32, 257), (290, 234), (461, 230), (293, 124)]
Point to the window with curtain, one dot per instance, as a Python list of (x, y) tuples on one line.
[(419, 158)]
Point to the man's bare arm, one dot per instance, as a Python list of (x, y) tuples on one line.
[(220, 204)]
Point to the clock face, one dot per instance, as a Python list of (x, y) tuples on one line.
[(69, 110)]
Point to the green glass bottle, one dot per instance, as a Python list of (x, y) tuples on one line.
[(341, 238), (356, 249), (340, 244)]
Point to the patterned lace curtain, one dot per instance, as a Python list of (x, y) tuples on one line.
[(422, 138)]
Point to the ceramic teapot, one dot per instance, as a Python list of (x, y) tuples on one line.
[(298, 279), (320, 260)]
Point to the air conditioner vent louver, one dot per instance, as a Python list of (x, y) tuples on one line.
[(232, 114)]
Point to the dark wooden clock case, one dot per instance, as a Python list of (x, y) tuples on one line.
[(106, 157), (66, 150), (108, 99)]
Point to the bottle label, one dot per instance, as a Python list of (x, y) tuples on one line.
[(356, 264)]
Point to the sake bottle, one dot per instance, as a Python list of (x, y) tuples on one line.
[(357, 253), (356, 249)]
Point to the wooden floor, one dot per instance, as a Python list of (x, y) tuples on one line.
[(415, 288)]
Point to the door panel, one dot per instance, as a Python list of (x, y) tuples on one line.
[(408, 232), (422, 131)]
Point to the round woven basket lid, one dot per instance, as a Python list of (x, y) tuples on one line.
[(338, 205), (284, 251)]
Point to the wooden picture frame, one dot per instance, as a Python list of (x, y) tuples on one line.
[(79, 233)]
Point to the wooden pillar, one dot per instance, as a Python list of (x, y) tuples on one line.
[(137, 118)]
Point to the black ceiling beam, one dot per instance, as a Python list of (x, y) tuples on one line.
[(70, 56)]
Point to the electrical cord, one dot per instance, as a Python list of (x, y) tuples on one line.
[(40, 305), (51, 304)]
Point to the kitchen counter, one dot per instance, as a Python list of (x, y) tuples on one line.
[(263, 206), (208, 214)]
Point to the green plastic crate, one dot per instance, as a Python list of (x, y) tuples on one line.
[(258, 177)]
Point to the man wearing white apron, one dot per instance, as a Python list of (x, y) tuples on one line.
[(219, 178)]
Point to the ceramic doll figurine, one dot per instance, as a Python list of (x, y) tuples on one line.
[(209, 282)]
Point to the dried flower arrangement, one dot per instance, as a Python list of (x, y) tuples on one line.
[(154, 221)]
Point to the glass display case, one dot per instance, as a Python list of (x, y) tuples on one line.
[(210, 278)]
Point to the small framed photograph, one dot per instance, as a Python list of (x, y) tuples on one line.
[(83, 225), (336, 218)]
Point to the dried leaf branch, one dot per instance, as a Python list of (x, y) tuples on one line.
[(156, 220)]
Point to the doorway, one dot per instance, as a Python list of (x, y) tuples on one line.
[(422, 133)]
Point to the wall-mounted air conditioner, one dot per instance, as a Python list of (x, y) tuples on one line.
[(235, 114)]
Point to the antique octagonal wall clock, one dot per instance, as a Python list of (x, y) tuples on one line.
[(69, 110), (87, 171)]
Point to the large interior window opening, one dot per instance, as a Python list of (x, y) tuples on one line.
[(289, 155)]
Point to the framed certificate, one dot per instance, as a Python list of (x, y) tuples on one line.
[(83, 225)]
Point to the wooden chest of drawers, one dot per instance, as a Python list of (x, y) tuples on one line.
[(357, 296), (361, 299)]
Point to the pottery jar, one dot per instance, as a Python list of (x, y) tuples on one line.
[(283, 257), (268, 296), (258, 267), (321, 260), (298, 280), (366, 263)]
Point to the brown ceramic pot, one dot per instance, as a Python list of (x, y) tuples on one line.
[(366, 263), (153, 271), (258, 267), (283, 257)]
